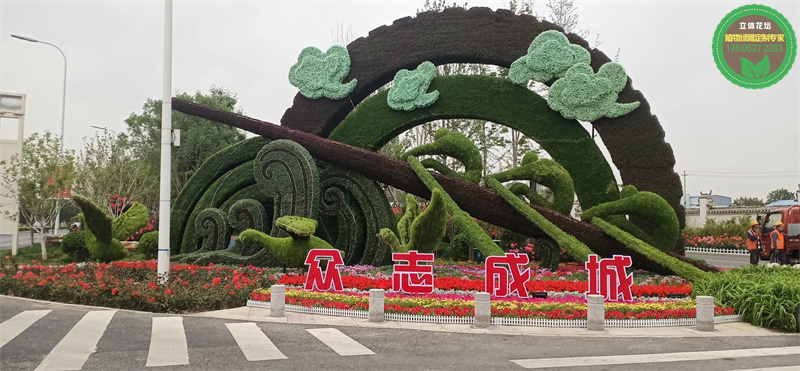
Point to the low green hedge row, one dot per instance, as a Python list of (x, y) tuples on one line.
[(764, 296)]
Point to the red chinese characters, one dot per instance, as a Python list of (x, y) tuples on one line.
[(331, 277), (609, 278), (412, 278), (504, 275)]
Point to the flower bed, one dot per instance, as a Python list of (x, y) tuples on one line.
[(734, 243), (571, 307)]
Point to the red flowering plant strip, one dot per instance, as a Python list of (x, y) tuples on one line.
[(715, 242)]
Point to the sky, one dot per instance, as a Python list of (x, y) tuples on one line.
[(732, 141)]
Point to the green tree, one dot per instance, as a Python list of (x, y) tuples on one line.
[(199, 138), (41, 173), (107, 166), (748, 201), (780, 194)]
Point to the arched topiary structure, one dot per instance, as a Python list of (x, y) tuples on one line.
[(480, 35)]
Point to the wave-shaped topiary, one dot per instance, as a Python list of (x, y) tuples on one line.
[(247, 214), (212, 226)]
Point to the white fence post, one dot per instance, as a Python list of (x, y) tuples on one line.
[(376, 305), (705, 313), (277, 301), (596, 313), (483, 310)]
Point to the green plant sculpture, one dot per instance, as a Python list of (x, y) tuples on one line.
[(546, 172), (319, 74), (409, 90), (419, 231), (290, 251), (128, 223), (455, 145), (102, 246), (587, 96), (549, 56)]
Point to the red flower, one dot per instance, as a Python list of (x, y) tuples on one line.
[(215, 281), (114, 291), (152, 299)]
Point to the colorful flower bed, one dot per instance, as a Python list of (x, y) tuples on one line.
[(711, 242), (570, 307)]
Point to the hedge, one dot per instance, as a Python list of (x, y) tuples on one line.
[(74, 245), (463, 220), (574, 248), (680, 268), (372, 124), (148, 245)]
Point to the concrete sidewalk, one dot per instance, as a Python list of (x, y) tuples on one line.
[(262, 315)]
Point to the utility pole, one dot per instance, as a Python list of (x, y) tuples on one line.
[(685, 194)]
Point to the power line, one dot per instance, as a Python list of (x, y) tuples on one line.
[(788, 176), (745, 172)]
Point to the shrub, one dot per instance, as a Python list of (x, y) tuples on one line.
[(129, 222), (736, 227), (74, 244), (148, 245), (764, 296), (461, 247)]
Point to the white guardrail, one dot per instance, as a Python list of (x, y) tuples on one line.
[(501, 321), (717, 251)]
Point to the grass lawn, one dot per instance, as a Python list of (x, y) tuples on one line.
[(26, 255)]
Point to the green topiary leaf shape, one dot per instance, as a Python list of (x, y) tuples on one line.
[(455, 145), (319, 74), (409, 89), (545, 172), (549, 56), (581, 94), (424, 230), (99, 241), (404, 225), (130, 221)]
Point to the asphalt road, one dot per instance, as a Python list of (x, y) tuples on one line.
[(66, 335), (721, 260)]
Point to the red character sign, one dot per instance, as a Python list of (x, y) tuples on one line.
[(323, 281), (412, 278), (609, 278), (501, 267)]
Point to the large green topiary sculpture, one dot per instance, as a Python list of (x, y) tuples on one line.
[(419, 231), (212, 225), (455, 145), (102, 246), (585, 96), (646, 205), (546, 172), (290, 251), (319, 74)]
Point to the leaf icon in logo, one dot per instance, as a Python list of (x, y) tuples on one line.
[(748, 68), (761, 69)]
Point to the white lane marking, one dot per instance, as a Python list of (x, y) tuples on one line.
[(255, 345), (167, 343), (784, 368), (14, 326), (339, 342), (79, 343), (655, 358)]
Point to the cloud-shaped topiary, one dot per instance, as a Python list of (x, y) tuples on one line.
[(587, 96), (549, 56), (409, 89), (319, 74)]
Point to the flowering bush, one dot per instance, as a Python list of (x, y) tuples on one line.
[(723, 242), (151, 226)]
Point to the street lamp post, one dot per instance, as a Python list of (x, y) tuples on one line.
[(57, 223), (104, 129)]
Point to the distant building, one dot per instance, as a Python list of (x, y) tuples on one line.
[(718, 201), (784, 203)]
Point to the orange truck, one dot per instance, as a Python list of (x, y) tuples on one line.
[(790, 216)]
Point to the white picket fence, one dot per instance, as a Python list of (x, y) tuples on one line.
[(498, 321), (717, 251)]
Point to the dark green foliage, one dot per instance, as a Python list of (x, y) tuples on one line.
[(747, 201), (731, 227), (148, 245), (426, 229), (212, 226), (412, 212), (74, 244), (548, 253), (680, 268), (779, 195), (574, 248), (130, 221), (545, 172), (99, 242), (360, 207), (509, 237), (372, 124), (461, 247), (648, 206), (764, 296), (457, 146), (212, 171), (286, 170), (522, 189), (247, 214), (462, 219)]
